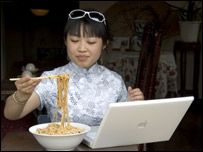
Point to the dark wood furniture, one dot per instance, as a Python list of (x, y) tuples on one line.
[(148, 60), (25, 141), (184, 48)]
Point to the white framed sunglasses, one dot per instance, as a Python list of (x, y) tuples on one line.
[(93, 15)]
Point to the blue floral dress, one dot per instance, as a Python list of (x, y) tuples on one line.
[(89, 92)]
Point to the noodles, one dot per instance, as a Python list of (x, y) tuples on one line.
[(56, 129), (63, 128)]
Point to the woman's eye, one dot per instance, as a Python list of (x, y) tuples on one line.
[(91, 42), (74, 41)]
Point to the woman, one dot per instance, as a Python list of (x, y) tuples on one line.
[(91, 86)]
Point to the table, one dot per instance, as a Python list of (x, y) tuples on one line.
[(25, 141), (184, 48), (126, 63)]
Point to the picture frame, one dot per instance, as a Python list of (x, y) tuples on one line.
[(121, 42)]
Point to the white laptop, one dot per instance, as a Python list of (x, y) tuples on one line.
[(137, 122)]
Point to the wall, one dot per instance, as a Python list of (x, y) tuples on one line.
[(25, 32), (3, 59), (101, 6), (200, 73)]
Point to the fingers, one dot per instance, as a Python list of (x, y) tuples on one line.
[(135, 91), (129, 88), (135, 94), (26, 84), (139, 97)]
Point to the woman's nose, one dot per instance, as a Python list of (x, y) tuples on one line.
[(82, 47)]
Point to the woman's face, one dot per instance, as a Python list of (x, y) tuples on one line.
[(84, 51)]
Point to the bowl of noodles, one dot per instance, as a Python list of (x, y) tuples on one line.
[(62, 135), (54, 136)]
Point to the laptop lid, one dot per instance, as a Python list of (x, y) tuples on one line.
[(128, 123)]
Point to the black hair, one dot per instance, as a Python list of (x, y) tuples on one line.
[(90, 28)]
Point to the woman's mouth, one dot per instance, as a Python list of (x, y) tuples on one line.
[(82, 58)]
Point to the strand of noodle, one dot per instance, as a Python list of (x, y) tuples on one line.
[(67, 112), (63, 101), (55, 115), (64, 98)]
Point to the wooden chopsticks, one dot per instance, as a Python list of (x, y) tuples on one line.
[(45, 77)]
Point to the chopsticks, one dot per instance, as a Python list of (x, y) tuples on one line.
[(45, 77)]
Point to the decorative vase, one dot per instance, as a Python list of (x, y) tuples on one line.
[(189, 30), (136, 38)]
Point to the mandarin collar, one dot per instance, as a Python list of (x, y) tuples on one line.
[(78, 69)]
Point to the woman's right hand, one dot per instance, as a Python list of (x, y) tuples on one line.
[(25, 86)]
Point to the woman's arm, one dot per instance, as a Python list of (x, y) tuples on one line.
[(23, 101), (14, 110)]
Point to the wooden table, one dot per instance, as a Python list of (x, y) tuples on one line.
[(184, 48), (25, 141)]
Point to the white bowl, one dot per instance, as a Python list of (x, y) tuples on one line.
[(59, 142), (30, 67), (26, 72)]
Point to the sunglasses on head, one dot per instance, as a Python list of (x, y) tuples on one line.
[(93, 15)]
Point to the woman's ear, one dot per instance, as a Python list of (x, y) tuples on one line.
[(104, 46), (65, 41)]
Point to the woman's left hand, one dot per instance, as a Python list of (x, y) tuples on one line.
[(135, 94)]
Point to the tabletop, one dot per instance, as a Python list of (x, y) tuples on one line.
[(25, 141)]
